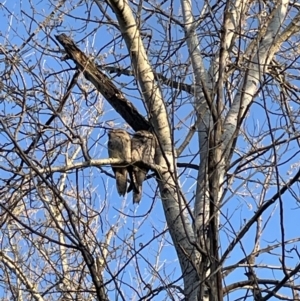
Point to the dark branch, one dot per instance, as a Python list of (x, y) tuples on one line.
[(104, 85), (158, 76)]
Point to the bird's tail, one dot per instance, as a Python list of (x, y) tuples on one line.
[(137, 195), (121, 180)]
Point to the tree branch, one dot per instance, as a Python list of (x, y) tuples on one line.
[(158, 76), (103, 84)]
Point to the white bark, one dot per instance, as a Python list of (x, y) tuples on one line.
[(13, 266), (174, 207), (180, 228), (256, 69), (200, 79), (241, 101), (202, 83)]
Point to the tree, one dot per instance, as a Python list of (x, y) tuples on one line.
[(216, 84)]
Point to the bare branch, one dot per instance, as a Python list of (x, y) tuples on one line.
[(104, 85)]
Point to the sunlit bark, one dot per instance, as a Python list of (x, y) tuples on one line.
[(217, 83)]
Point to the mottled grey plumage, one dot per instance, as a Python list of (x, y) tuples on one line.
[(119, 147), (142, 151)]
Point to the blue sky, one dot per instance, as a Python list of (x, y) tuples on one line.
[(147, 219)]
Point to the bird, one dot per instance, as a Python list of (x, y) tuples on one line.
[(142, 152), (119, 147)]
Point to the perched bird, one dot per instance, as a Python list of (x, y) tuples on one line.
[(119, 147), (142, 152)]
